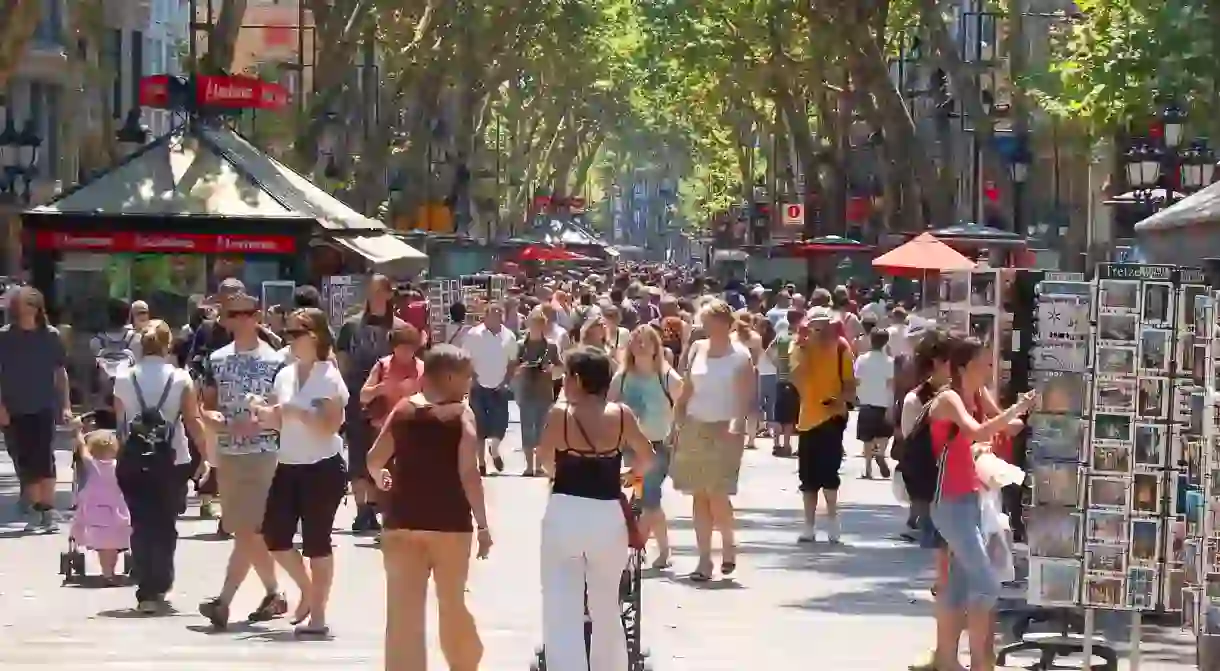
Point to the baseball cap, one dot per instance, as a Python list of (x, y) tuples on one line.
[(821, 315)]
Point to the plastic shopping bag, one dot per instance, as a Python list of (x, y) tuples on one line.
[(999, 551), (994, 472), (899, 487), (996, 530)]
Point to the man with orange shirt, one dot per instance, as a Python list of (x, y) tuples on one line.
[(822, 372)]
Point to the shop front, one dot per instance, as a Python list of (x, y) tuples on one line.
[(168, 223), (171, 269)]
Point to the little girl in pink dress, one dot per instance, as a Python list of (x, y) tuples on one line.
[(102, 522)]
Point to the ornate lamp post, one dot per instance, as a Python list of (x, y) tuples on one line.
[(18, 159), (1018, 169)]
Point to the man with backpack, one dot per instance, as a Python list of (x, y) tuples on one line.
[(114, 349)]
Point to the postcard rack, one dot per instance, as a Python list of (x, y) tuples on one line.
[(975, 302), (1200, 481)]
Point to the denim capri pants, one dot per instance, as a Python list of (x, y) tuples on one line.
[(651, 495), (972, 581), (767, 386)]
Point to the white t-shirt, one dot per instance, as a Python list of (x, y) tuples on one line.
[(875, 379), (876, 310), (152, 373), (899, 344), (490, 353), (715, 383), (301, 444)]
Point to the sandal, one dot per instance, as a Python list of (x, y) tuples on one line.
[(699, 575), (662, 562), (272, 606), (727, 567), (217, 613), (303, 631)]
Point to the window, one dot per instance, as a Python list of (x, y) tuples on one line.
[(50, 25), (137, 65), (112, 59), (156, 60)]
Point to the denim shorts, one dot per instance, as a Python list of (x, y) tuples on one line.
[(972, 581), (767, 387), (651, 497)]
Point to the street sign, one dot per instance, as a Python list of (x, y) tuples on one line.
[(794, 214)]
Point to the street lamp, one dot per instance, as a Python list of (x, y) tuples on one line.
[(133, 134), (1018, 168), (1143, 166), (27, 149), (1198, 166), (1174, 121), (18, 158)]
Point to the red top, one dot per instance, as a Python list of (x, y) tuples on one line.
[(958, 477)]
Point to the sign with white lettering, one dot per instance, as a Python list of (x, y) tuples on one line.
[(170, 243)]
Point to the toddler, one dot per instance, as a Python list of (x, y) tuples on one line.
[(102, 522)]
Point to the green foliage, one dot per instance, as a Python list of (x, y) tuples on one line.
[(1125, 59)]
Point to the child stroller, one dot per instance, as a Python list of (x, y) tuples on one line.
[(72, 561), (629, 600)]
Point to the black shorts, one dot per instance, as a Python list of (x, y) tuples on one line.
[(29, 440), (873, 423), (305, 496), (787, 404), (820, 455), (360, 435)]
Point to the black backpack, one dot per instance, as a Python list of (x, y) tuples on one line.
[(919, 465), (148, 444)]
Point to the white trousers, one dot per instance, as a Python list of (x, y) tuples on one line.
[(584, 546)]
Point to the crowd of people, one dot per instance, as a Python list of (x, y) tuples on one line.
[(639, 377)]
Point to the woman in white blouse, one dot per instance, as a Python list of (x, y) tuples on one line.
[(311, 478)]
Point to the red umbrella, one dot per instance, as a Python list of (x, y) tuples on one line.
[(921, 256), (545, 253)]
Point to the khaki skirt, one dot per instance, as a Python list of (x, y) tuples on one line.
[(706, 458)]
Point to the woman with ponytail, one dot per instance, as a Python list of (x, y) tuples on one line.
[(972, 585)]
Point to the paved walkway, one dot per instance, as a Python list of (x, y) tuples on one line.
[(856, 607)]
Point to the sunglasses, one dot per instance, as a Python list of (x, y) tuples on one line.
[(293, 334), (241, 313)]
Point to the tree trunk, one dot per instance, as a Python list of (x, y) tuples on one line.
[(18, 20), (222, 42)]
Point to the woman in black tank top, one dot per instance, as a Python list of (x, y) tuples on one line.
[(584, 533)]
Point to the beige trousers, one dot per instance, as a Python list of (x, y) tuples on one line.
[(411, 557)]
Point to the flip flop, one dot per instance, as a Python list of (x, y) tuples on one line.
[(727, 568), (699, 576)]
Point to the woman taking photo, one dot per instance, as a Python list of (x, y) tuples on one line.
[(307, 408), (154, 498), (536, 356), (584, 530), (972, 585), (707, 452), (649, 385)]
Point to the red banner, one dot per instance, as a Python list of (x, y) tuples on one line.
[(169, 243), (239, 92), (154, 91)]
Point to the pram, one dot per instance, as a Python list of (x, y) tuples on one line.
[(72, 562), (629, 599)]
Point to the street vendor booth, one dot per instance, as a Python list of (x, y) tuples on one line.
[(571, 235), (1184, 233), (184, 212), (999, 248)]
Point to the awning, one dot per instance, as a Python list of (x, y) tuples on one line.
[(924, 254), (387, 254)]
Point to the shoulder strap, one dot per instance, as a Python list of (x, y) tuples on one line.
[(169, 384), (139, 393), (663, 378)]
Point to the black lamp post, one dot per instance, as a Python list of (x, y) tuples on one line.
[(18, 159), (1167, 165)]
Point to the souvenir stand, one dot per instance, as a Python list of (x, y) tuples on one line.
[(975, 302), (473, 291), (1108, 531), (1199, 485)]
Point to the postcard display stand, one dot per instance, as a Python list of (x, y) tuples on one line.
[(1144, 387), (1197, 546), (975, 302)]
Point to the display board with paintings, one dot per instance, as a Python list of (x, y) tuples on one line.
[(1055, 444), (1142, 389)]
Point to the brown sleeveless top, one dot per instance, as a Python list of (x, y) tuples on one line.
[(427, 493)]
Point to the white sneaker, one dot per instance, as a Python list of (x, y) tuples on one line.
[(809, 535), (33, 520), (832, 530)]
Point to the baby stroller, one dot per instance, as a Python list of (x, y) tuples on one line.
[(72, 561), (629, 599)]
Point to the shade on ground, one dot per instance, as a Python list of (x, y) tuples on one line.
[(925, 254)]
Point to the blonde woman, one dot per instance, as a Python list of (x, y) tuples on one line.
[(707, 451), (649, 385), (593, 334)]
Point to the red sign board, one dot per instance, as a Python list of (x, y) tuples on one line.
[(168, 243), (239, 92), (154, 91)]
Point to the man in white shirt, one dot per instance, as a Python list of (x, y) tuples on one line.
[(783, 302), (900, 342), (875, 391), (875, 309), (493, 353)]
